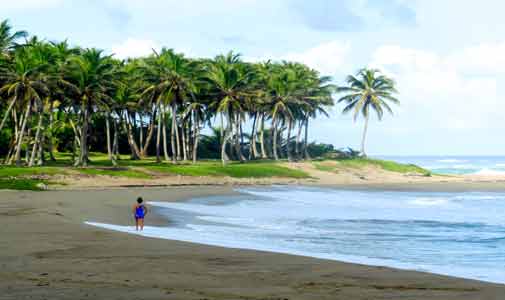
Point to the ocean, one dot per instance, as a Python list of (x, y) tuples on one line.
[(460, 165), (457, 234)]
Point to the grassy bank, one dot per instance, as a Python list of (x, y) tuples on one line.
[(23, 178), (358, 163)]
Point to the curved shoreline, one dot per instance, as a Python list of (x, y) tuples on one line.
[(48, 252)]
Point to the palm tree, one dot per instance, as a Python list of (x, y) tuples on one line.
[(92, 76), (171, 81), (24, 84), (230, 85), (7, 38), (316, 99), (368, 90)]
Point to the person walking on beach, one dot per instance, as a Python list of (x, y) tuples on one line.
[(139, 212)]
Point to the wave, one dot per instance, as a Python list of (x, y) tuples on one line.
[(489, 172), (429, 201), (451, 160)]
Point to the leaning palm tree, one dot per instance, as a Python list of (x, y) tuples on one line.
[(171, 82), (8, 38), (230, 85), (24, 84), (91, 76), (368, 91)]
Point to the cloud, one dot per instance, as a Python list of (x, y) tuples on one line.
[(346, 15), (438, 92), (327, 58), (481, 59), (134, 48), (326, 15)]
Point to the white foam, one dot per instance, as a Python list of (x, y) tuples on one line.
[(238, 243), (489, 172), (429, 201), (452, 160)]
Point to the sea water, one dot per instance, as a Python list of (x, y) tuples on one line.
[(458, 234), (460, 165)]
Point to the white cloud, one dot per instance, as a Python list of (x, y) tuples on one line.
[(482, 58), (134, 48), (327, 58), (437, 91)]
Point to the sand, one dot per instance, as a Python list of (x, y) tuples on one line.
[(367, 177), (47, 252)]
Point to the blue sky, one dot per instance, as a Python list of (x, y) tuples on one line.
[(448, 57)]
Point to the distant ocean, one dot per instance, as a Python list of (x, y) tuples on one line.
[(458, 234), (479, 165)]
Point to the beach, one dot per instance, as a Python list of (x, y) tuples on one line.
[(48, 252)]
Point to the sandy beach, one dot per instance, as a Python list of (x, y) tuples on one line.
[(47, 252)]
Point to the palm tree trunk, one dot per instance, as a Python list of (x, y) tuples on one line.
[(115, 146), (36, 143), (41, 159), (50, 136), (298, 138), (107, 130), (17, 157), (221, 137), (158, 134), (11, 104), (164, 130), (83, 160), (288, 141), (238, 147), (141, 144), (28, 141), (175, 130), (306, 141), (363, 153), (242, 157), (223, 132), (196, 132), (262, 137), (135, 152), (253, 153), (274, 138), (227, 135), (150, 132), (183, 132), (188, 138)]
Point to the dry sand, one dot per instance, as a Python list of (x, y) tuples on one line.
[(367, 177), (46, 252)]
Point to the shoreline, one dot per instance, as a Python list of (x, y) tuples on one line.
[(49, 252)]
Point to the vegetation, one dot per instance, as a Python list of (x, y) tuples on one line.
[(62, 106), (55, 97), (361, 162), (21, 184), (368, 91), (250, 170)]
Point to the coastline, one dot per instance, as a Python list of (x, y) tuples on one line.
[(49, 252)]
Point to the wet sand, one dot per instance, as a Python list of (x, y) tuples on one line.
[(47, 252)]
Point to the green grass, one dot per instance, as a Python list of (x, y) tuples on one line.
[(237, 170), (387, 165), (115, 172), (11, 171), (20, 184)]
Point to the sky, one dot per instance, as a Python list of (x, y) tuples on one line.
[(447, 57)]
